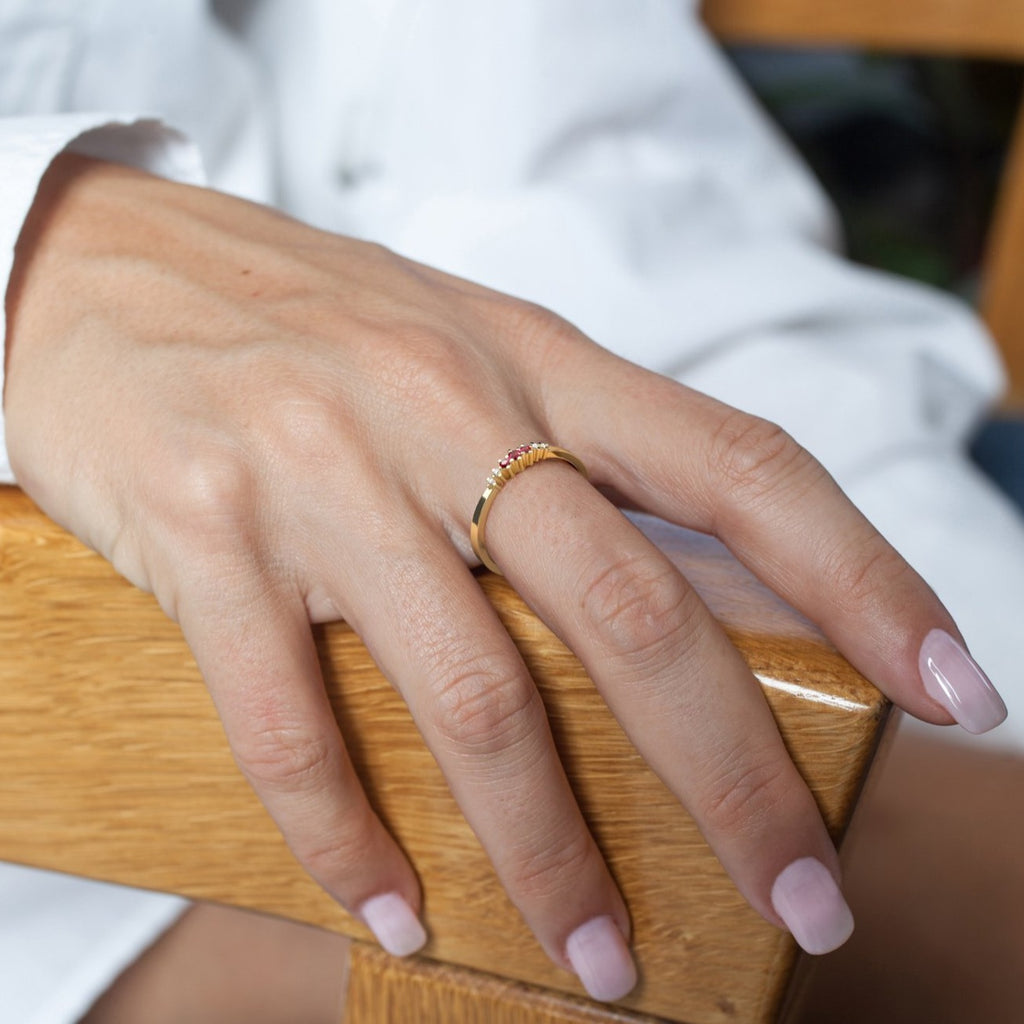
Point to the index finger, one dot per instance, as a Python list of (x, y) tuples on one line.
[(680, 690), (701, 464)]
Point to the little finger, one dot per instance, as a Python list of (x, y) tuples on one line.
[(255, 650)]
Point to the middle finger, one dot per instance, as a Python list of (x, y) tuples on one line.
[(435, 635)]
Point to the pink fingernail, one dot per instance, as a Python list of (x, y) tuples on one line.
[(394, 924), (953, 678), (600, 957), (806, 897)]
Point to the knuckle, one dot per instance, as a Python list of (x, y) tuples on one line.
[(290, 758), (860, 576), (744, 790), (640, 606), (552, 870), (536, 321), (433, 370), (548, 336), (425, 364), (333, 856), (754, 456), (214, 489), (484, 706), (303, 425)]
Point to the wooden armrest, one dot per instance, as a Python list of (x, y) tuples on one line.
[(116, 768), (984, 28)]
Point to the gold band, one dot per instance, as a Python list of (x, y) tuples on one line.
[(517, 460)]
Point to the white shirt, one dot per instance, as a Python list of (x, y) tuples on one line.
[(598, 158)]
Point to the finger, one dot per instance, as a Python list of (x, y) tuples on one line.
[(256, 653), (701, 464), (428, 625), (680, 689)]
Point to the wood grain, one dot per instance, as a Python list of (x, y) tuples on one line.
[(381, 988), (116, 768)]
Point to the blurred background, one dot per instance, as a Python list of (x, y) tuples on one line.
[(911, 150)]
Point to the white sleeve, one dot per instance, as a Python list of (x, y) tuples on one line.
[(29, 144), (610, 165)]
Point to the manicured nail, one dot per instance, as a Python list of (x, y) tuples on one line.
[(600, 957), (394, 924), (953, 678), (806, 897)]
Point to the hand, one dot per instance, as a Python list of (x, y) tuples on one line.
[(268, 426)]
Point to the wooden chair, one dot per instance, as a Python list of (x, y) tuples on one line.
[(116, 768), (122, 771), (977, 28)]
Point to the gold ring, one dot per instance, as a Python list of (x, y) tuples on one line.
[(517, 460)]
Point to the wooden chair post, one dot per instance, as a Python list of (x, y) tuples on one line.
[(1002, 300)]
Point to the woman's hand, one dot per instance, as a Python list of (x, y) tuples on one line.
[(268, 426)]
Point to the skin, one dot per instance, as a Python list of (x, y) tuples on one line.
[(934, 875), (269, 426), (242, 968)]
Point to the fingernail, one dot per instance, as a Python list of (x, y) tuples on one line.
[(806, 897), (394, 924), (953, 678), (600, 957)]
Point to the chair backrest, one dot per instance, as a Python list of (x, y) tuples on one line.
[(977, 28)]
